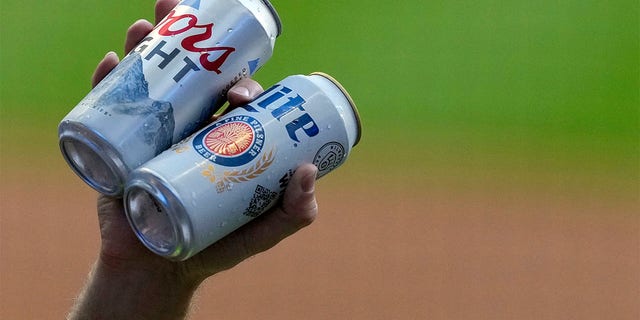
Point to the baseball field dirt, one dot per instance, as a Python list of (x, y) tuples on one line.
[(387, 250)]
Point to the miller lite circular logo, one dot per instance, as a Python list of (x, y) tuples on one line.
[(329, 157), (232, 142)]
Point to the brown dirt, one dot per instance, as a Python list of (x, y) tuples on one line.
[(399, 252)]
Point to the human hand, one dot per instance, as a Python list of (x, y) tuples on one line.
[(127, 272)]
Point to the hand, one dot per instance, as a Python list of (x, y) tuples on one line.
[(128, 279)]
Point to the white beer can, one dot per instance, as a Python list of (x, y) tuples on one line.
[(166, 88), (236, 168)]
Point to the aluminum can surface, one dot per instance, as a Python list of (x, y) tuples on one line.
[(166, 87), (236, 168)]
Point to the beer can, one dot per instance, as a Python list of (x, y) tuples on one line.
[(166, 88), (236, 168)]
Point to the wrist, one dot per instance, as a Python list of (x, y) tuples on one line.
[(121, 290)]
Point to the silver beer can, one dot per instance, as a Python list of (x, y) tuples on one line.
[(236, 168), (166, 88)]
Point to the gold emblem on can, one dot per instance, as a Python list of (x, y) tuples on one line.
[(229, 139)]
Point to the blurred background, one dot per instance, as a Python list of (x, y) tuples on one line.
[(498, 176)]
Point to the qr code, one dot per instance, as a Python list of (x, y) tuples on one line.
[(261, 200)]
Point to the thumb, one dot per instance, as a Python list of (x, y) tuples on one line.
[(299, 206)]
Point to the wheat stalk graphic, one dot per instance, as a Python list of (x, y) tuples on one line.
[(252, 172), (209, 172), (238, 176)]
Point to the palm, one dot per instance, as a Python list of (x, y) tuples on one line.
[(119, 242)]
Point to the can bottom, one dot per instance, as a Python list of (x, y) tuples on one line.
[(92, 159), (157, 216), (151, 221)]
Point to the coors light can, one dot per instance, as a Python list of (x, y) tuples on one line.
[(166, 88), (236, 168)]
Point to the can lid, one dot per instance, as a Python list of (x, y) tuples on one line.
[(276, 17), (349, 99)]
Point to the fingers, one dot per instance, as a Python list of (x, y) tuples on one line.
[(298, 210), (163, 7), (136, 32), (141, 28), (104, 67), (244, 91), (117, 238)]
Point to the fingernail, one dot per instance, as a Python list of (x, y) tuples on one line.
[(308, 181), (242, 91), (110, 53)]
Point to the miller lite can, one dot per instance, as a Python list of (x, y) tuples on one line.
[(166, 88), (236, 168)]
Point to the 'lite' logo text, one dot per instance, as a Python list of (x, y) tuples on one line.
[(286, 105)]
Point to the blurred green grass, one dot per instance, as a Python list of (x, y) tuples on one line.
[(512, 91)]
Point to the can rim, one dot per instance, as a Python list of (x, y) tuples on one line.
[(78, 133), (275, 15), (164, 194), (349, 99)]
